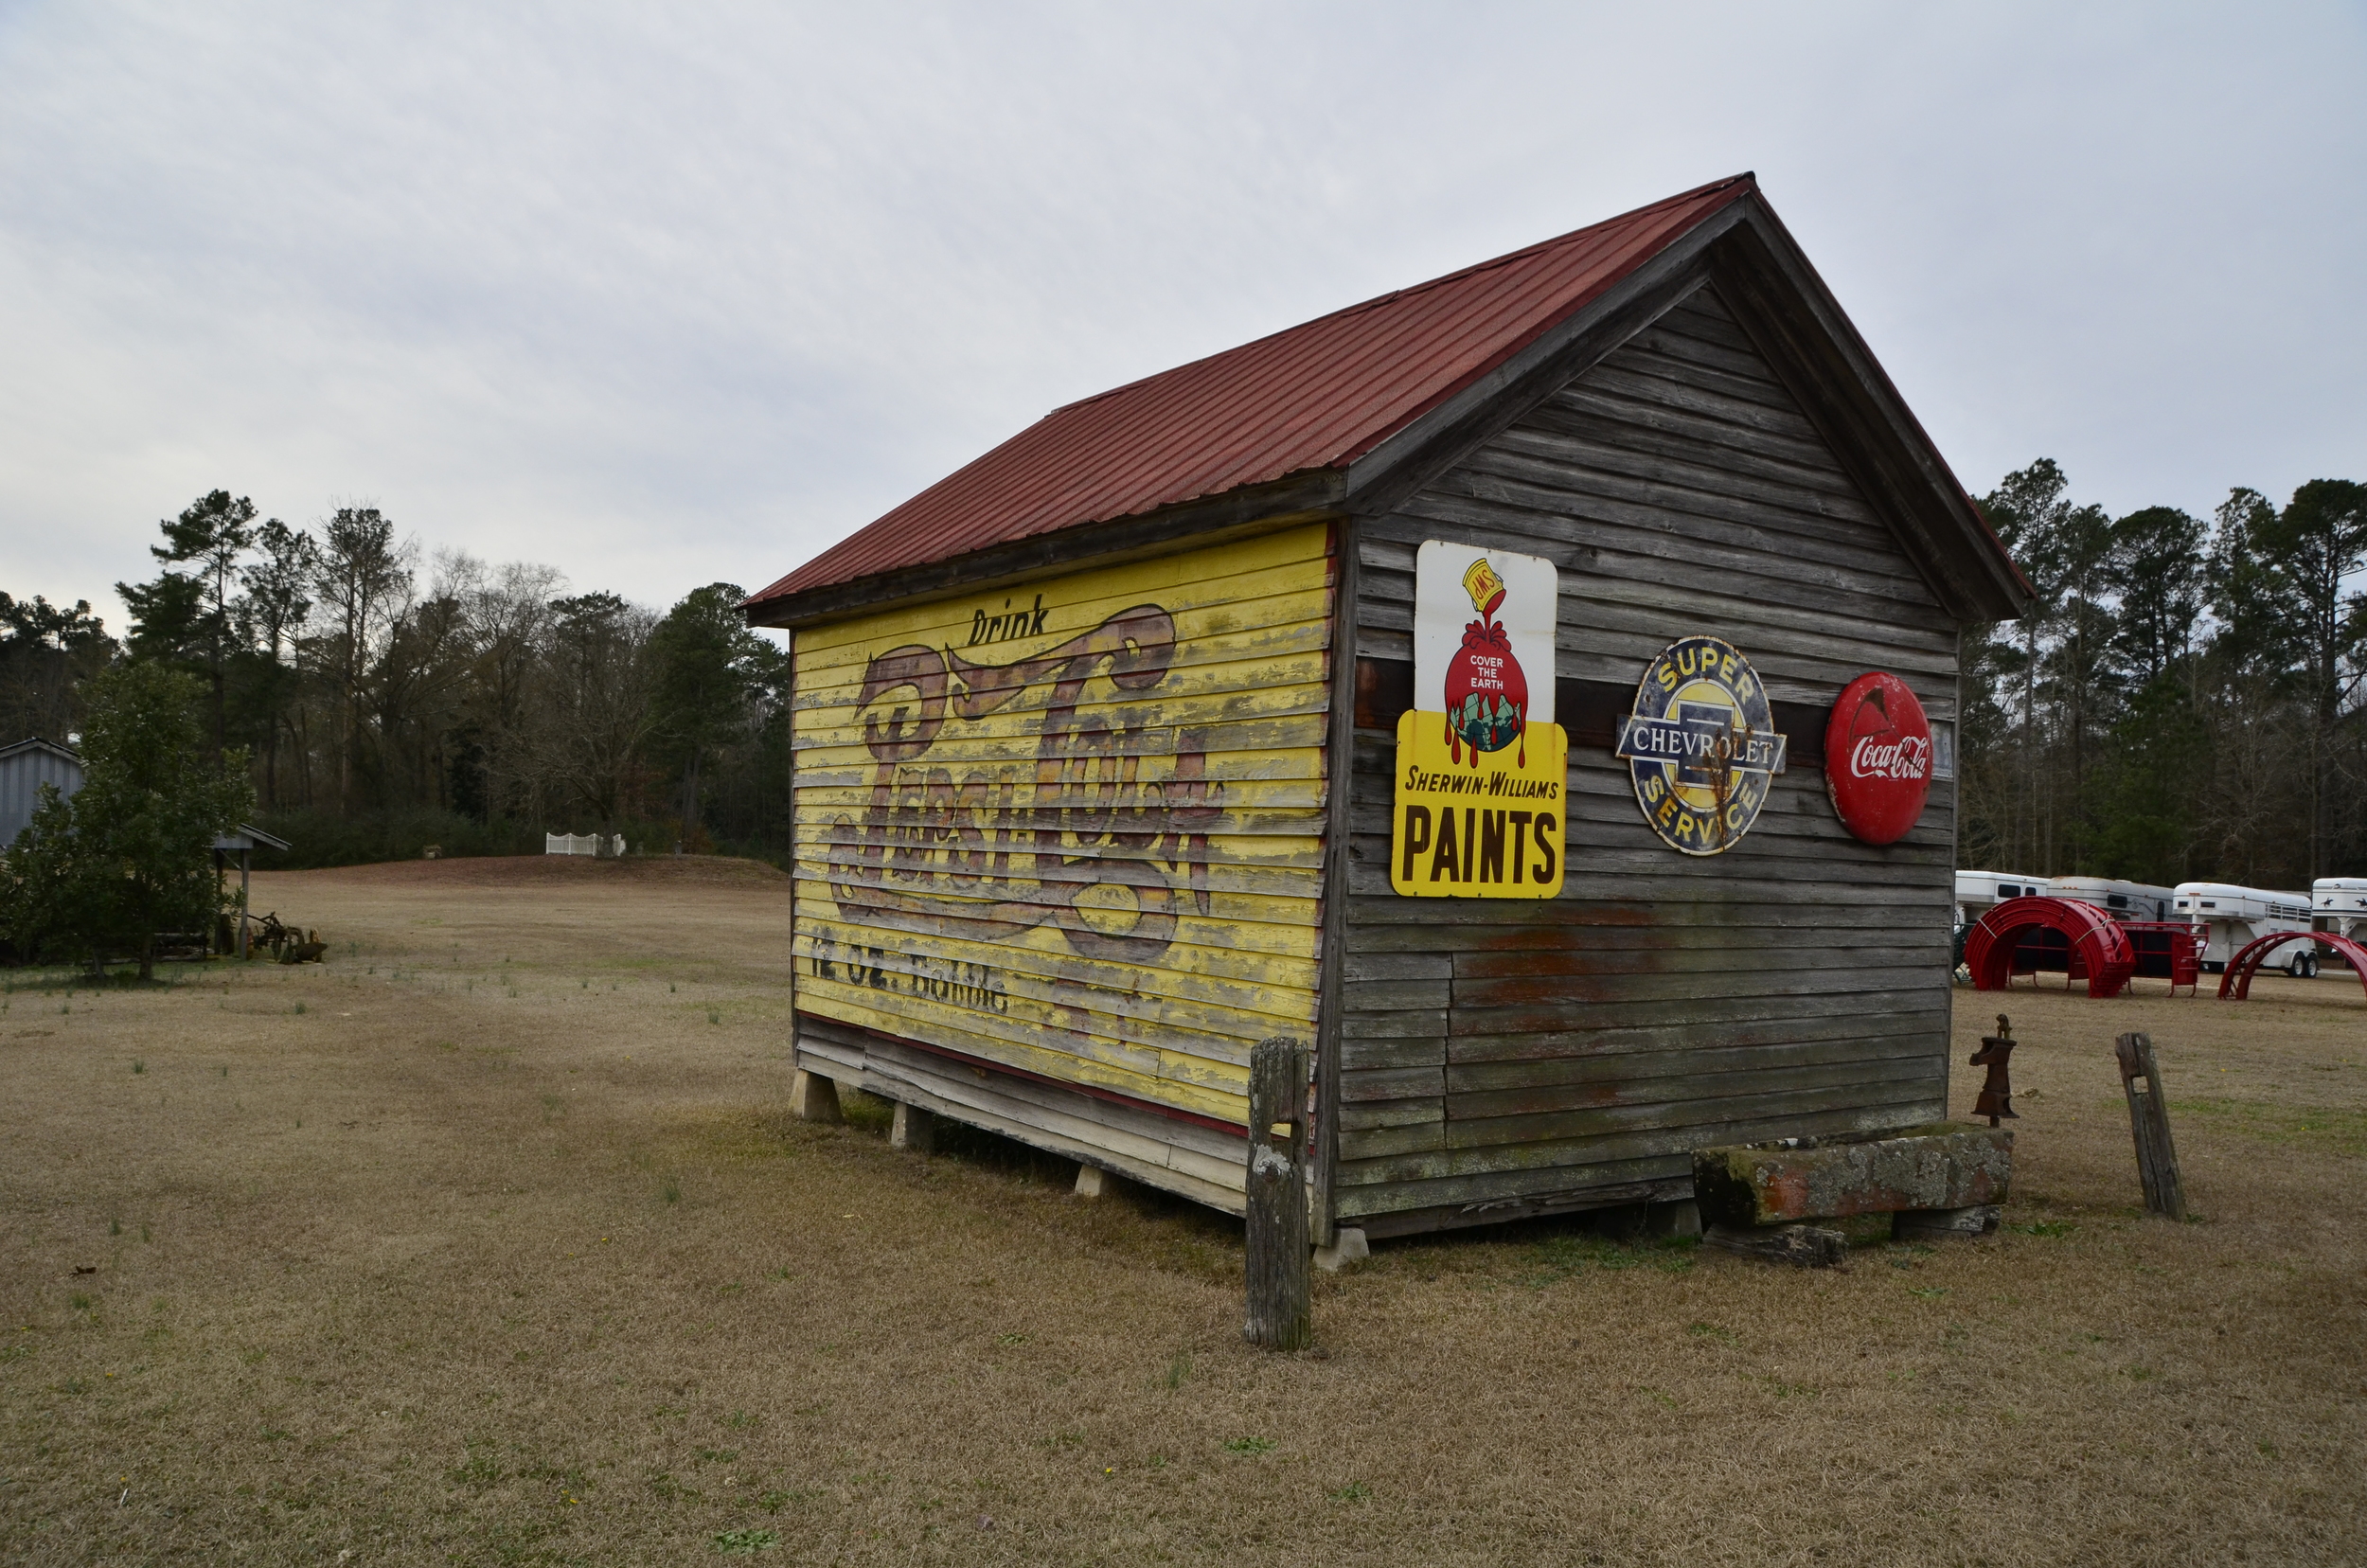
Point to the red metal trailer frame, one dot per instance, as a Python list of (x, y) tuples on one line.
[(2237, 978), (2099, 948), (2173, 939)]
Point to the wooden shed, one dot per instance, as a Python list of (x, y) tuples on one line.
[(1448, 683)]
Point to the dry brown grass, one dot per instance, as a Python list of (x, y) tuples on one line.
[(502, 1251)]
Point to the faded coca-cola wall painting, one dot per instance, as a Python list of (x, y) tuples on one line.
[(1877, 758), (1074, 829)]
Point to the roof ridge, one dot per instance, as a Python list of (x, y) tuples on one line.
[(58, 746), (1746, 176), (1315, 395)]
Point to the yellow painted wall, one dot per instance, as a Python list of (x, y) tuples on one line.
[(1076, 826)]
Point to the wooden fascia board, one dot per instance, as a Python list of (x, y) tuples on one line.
[(1785, 309), (1334, 909), (1309, 494), (1427, 447)]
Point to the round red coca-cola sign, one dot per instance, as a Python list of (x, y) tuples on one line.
[(1877, 757)]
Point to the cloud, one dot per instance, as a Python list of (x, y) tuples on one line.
[(663, 296)]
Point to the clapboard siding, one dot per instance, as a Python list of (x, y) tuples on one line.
[(1198, 1161), (1500, 1057), (1592, 1139)]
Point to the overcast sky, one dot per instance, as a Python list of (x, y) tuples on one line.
[(670, 295)]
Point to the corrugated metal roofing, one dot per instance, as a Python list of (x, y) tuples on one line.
[(1316, 396)]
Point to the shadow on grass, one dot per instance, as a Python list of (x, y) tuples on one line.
[(117, 975), (1169, 1231), (1538, 1252)]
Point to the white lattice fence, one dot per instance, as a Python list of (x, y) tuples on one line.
[(582, 844)]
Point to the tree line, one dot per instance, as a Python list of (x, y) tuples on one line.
[(387, 698), (2182, 701)]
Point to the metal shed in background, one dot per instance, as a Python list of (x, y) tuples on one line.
[(1148, 736), (25, 767), (29, 764)]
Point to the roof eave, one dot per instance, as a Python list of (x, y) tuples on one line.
[(1307, 493), (36, 742)]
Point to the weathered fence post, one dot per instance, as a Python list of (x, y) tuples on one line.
[(2150, 1121), (1279, 1315)]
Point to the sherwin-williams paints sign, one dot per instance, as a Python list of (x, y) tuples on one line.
[(1701, 745), (1877, 757), (1481, 765)]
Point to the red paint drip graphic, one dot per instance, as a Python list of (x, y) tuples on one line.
[(1486, 693)]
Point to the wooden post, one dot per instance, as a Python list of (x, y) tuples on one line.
[(1279, 1315), (2150, 1121)]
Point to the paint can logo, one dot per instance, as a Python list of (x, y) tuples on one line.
[(1486, 693), (1877, 758), (1701, 745)]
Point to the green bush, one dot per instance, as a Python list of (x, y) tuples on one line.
[(103, 872)]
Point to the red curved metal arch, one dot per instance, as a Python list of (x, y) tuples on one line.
[(2098, 944), (2247, 962)]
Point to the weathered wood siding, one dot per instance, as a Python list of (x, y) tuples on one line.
[(1501, 1058), (1193, 1158), (1074, 829)]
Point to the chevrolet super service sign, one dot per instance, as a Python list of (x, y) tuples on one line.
[(1481, 763), (1701, 745)]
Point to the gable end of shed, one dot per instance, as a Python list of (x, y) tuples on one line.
[(1773, 297), (1496, 1059)]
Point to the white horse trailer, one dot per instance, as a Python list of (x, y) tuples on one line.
[(2122, 900), (2233, 915), (2339, 904), (1978, 892)]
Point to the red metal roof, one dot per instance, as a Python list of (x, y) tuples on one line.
[(1313, 397)]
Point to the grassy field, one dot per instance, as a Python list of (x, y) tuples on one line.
[(489, 1241)]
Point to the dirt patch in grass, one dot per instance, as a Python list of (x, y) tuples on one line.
[(500, 1251)]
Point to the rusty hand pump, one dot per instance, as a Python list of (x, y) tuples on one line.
[(1996, 1090)]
